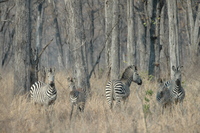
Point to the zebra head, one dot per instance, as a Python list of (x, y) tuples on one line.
[(131, 74), (136, 77), (177, 73), (51, 75), (71, 82)]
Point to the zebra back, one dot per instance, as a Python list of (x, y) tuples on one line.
[(43, 93)]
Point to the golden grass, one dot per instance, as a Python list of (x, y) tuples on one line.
[(18, 115)]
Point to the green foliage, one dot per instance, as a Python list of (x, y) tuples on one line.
[(149, 92), (146, 109), (151, 77), (146, 99)]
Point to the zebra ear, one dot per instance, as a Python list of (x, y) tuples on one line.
[(160, 81), (68, 78), (53, 69), (174, 68), (135, 67), (179, 68)]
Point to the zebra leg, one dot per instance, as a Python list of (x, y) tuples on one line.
[(181, 107), (71, 111), (118, 105), (126, 103)]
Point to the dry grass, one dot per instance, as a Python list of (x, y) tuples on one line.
[(18, 115)]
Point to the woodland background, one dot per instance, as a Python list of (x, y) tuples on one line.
[(94, 41)]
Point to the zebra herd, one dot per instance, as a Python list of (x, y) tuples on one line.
[(116, 90)]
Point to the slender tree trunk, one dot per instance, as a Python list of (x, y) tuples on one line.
[(131, 45), (58, 37), (157, 40), (173, 34), (194, 25), (115, 47), (91, 49), (80, 69), (38, 46), (151, 8), (22, 47), (108, 30)]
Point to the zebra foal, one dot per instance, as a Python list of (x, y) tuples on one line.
[(118, 90), (42, 93), (77, 96)]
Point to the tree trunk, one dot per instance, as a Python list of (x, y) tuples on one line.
[(108, 30), (151, 8), (80, 69), (157, 40), (39, 29), (131, 45), (193, 30), (22, 47), (58, 37), (173, 34), (115, 47)]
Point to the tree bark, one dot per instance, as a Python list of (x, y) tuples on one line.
[(22, 47), (58, 37), (80, 69), (108, 30), (131, 45), (173, 34), (115, 47)]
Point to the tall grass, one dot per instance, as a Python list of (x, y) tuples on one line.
[(18, 115)]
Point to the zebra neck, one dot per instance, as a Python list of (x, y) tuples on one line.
[(127, 81)]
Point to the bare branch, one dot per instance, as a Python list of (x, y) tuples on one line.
[(43, 49), (1, 1)]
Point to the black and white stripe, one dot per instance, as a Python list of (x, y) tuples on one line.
[(42, 93), (118, 90)]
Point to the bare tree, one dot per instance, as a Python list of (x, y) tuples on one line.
[(22, 47), (115, 47)]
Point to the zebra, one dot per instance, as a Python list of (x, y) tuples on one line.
[(177, 93), (42, 93), (163, 95), (77, 96), (118, 90), (173, 92)]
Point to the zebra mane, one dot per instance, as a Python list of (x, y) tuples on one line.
[(128, 72)]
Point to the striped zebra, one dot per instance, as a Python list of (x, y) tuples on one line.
[(177, 93), (118, 90), (42, 93), (163, 95), (77, 96), (173, 88)]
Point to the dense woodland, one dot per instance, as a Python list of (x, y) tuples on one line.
[(94, 41)]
